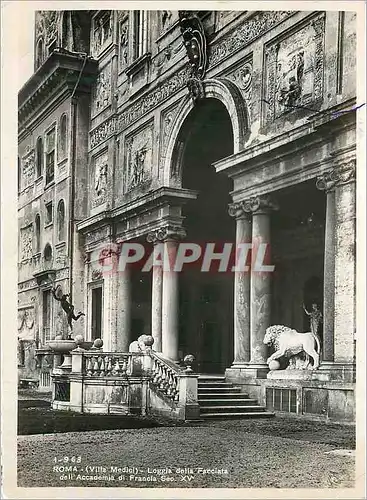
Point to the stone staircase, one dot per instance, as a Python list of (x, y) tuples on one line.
[(221, 399)]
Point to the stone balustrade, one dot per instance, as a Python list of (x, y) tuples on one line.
[(142, 382), (165, 377), (106, 364)]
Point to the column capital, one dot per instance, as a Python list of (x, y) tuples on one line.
[(237, 211), (169, 232), (259, 204), (342, 173)]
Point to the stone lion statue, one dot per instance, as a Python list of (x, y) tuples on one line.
[(288, 342)]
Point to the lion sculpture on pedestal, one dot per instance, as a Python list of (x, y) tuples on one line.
[(288, 342)]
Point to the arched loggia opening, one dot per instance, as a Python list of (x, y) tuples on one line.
[(206, 298)]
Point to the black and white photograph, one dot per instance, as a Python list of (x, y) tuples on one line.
[(183, 250)]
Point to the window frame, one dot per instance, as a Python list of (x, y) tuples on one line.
[(50, 153)]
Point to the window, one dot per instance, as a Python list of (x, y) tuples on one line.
[(46, 316), (37, 224), (50, 156), (61, 221), (39, 53), (140, 33), (63, 137), (96, 313), (39, 157), (49, 213)]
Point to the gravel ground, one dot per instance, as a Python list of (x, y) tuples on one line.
[(251, 451)]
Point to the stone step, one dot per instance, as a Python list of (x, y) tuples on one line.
[(233, 388), (224, 416), (225, 394), (204, 376), (210, 384), (225, 401), (231, 409)]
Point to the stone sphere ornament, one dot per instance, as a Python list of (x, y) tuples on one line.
[(98, 343), (274, 365)]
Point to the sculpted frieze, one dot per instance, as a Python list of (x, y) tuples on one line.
[(102, 132), (251, 29)]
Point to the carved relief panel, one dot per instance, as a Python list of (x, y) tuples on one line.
[(242, 77), (26, 321), (101, 180), (138, 158), (295, 70), (47, 22), (123, 26), (102, 32), (28, 169), (167, 119), (26, 238), (102, 91)]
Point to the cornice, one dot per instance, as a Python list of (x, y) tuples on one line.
[(59, 69), (159, 197)]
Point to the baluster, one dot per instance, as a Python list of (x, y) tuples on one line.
[(102, 367), (176, 389), (155, 372), (170, 384), (108, 365), (124, 366), (117, 367), (90, 366), (162, 378), (97, 365)]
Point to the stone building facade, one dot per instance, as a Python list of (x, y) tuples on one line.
[(134, 129)]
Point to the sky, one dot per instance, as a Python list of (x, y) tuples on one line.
[(25, 47)]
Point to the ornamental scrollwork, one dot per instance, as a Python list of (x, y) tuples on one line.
[(168, 232), (340, 174)]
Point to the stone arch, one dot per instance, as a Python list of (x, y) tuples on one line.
[(230, 96)]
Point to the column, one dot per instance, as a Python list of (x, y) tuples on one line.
[(157, 287), (242, 339), (123, 313), (261, 208), (339, 286), (170, 236), (329, 272)]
